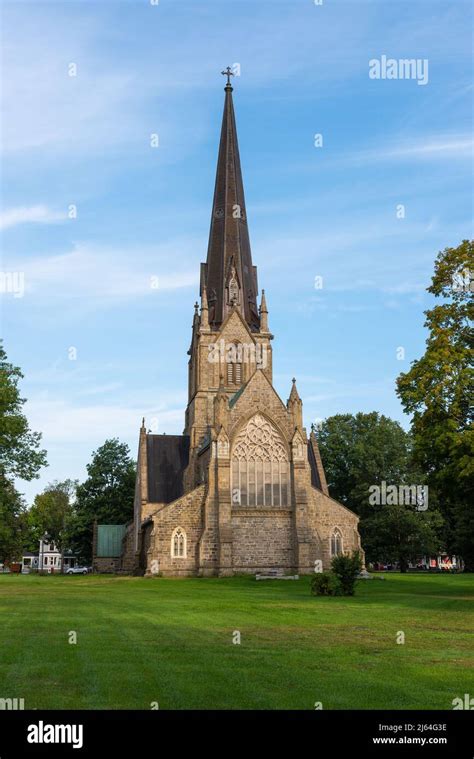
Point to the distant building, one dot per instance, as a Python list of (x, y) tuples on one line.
[(443, 561), (29, 562), (49, 559)]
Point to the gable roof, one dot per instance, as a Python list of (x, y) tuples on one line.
[(318, 476), (167, 458), (258, 373)]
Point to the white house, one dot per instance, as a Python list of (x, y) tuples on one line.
[(48, 560)]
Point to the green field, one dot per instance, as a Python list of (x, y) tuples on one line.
[(170, 641)]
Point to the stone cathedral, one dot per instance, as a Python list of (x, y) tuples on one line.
[(243, 489)]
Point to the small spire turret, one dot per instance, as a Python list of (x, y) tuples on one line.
[(263, 313)]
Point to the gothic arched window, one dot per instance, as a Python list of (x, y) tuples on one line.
[(336, 542), (260, 470), (178, 544), (234, 364)]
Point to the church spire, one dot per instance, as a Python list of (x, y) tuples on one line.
[(228, 274), (204, 310), (295, 405), (263, 313)]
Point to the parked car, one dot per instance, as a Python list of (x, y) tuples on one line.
[(77, 571)]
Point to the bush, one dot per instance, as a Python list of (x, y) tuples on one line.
[(346, 568), (325, 584)]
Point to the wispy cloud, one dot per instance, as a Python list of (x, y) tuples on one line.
[(62, 422), (434, 147), (95, 270), (40, 214)]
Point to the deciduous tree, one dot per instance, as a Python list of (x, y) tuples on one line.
[(106, 495), (438, 392), (20, 457), (361, 450), (20, 452)]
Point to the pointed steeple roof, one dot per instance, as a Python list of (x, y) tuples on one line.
[(294, 395), (229, 274), (263, 313)]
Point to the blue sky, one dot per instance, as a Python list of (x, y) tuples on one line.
[(144, 212)]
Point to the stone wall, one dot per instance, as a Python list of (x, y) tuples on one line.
[(261, 540), (327, 514), (129, 555), (187, 513), (106, 565)]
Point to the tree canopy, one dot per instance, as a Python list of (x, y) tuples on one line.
[(106, 495), (364, 450), (438, 392), (13, 521), (398, 533), (20, 452), (361, 450), (20, 457), (52, 512)]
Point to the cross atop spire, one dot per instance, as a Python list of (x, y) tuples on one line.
[(228, 73), (229, 274)]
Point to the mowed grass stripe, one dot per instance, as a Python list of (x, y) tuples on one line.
[(170, 641)]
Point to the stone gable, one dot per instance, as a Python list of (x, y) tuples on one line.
[(252, 491)]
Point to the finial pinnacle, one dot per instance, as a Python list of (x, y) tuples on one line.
[(294, 380), (228, 73)]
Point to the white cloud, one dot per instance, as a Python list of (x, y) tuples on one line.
[(49, 106), (430, 147), (356, 258), (30, 214), (61, 422), (71, 433), (100, 271)]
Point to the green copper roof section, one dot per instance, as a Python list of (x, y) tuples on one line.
[(109, 539), (237, 395)]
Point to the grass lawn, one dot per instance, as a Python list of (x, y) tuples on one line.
[(170, 640)]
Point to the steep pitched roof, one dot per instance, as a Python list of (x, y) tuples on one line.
[(318, 476), (258, 376), (229, 242), (168, 457)]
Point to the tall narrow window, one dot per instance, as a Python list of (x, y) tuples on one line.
[(336, 542), (260, 469), (234, 365), (238, 373), (178, 544)]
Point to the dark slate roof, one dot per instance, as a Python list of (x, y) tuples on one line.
[(229, 242), (315, 479), (168, 457)]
